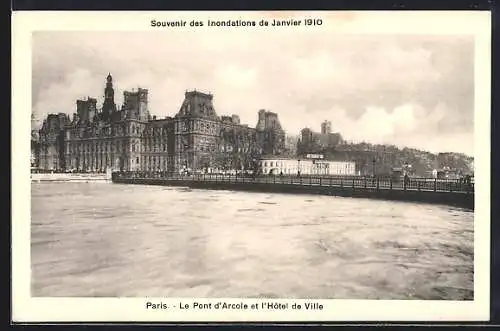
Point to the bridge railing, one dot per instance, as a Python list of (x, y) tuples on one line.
[(353, 182)]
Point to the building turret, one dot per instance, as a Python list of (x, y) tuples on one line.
[(108, 106), (136, 104)]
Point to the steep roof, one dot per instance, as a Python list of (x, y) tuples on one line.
[(197, 104)]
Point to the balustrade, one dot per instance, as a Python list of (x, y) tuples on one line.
[(369, 183)]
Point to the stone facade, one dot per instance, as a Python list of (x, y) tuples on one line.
[(35, 152), (295, 166), (51, 142), (128, 138), (35, 144)]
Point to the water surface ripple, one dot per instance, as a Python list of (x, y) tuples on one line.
[(108, 240)]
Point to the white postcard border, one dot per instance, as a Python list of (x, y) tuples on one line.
[(28, 309)]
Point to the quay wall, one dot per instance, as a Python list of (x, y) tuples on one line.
[(457, 199), (70, 177)]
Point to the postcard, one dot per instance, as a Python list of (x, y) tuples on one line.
[(251, 166)]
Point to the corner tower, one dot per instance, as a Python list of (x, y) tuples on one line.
[(270, 134), (136, 104)]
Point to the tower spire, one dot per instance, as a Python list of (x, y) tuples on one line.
[(109, 98)]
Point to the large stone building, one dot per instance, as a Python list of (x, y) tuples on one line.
[(128, 138), (318, 142)]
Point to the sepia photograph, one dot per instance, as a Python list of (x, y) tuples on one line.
[(255, 155)]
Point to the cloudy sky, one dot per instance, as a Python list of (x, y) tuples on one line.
[(415, 91)]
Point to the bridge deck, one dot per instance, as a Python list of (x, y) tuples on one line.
[(354, 183)]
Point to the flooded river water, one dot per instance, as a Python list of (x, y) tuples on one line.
[(109, 240)]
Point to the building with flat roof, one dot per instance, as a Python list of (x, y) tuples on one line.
[(272, 165)]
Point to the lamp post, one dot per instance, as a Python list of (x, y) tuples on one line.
[(374, 161), (298, 167)]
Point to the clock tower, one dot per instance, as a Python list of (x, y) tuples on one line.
[(108, 106)]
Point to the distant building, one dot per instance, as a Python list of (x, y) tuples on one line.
[(458, 161), (314, 142), (271, 136), (270, 165), (326, 127), (447, 173), (309, 141), (291, 145), (35, 143), (51, 140), (128, 138)]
